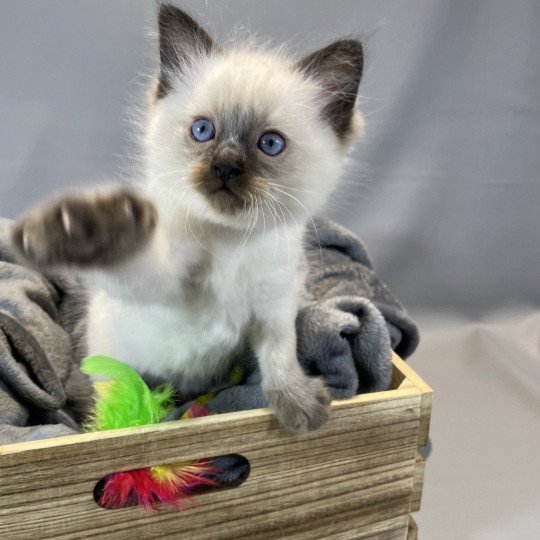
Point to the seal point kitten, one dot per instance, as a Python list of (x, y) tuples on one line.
[(201, 260)]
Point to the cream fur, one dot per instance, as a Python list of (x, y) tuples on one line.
[(209, 281)]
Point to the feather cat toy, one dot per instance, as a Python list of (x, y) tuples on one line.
[(126, 401)]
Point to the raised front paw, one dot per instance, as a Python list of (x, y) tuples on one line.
[(301, 406), (100, 229)]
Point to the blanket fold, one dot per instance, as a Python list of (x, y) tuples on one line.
[(346, 328), (41, 388), (348, 271)]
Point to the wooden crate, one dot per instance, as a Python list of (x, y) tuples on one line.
[(358, 477)]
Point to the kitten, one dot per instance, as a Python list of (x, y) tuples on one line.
[(204, 260)]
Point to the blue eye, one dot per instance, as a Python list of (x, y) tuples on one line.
[(203, 130), (271, 143)]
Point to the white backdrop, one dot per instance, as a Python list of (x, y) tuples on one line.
[(445, 191)]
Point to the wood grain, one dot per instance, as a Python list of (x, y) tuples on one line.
[(351, 479), (408, 378), (412, 532), (418, 483)]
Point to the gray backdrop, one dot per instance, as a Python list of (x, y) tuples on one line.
[(445, 191)]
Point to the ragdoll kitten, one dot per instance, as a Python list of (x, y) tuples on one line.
[(204, 259)]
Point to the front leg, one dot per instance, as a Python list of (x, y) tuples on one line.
[(301, 403), (97, 229)]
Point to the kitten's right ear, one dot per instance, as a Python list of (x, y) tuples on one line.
[(181, 42)]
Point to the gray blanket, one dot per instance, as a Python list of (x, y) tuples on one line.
[(345, 334)]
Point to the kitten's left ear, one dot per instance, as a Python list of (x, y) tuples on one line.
[(338, 69), (182, 41)]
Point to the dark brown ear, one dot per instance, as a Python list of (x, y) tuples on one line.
[(338, 69), (181, 41)]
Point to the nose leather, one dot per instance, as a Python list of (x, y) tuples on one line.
[(226, 171)]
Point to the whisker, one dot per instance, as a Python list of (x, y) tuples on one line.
[(252, 227), (283, 222), (250, 215), (259, 201), (312, 222), (275, 226), (188, 224), (294, 189)]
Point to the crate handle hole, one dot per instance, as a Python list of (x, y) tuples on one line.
[(172, 485)]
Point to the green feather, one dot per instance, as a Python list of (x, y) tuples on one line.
[(127, 401)]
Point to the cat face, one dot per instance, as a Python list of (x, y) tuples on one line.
[(239, 131)]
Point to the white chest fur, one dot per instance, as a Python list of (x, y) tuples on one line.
[(181, 310)]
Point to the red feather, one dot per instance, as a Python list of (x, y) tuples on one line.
[(139, 487)]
